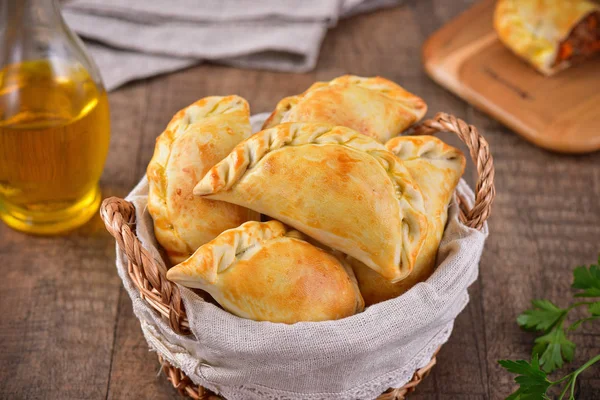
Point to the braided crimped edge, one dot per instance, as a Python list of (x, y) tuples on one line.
[(225, 174), (426, 147), (224, 250), (248, 153), (405, 99), (149, 275), (157, 195)]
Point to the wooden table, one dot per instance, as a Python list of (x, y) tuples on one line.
[(68, 331)]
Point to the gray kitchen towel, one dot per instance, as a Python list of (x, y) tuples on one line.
[(140, 38)]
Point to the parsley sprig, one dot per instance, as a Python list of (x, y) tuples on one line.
[(534, 383), (552, 349)]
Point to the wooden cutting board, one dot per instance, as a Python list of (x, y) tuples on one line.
[(560, 113)]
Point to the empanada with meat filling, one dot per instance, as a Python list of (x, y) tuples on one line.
[(549, 34)]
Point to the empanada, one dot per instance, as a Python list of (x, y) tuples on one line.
[(437, 168), (261, 272), (334, 184), (549, 34), (375, 107), (196, 139)]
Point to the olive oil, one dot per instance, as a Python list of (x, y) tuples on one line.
[(54, 137)]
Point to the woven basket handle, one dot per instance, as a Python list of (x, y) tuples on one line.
[(480, 154), (119, 217)]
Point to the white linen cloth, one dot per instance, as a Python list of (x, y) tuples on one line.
[(140, 38), (358, 357)]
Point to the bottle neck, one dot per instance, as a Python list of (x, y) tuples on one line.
[(33, 30), (30, 14), (28, 29)]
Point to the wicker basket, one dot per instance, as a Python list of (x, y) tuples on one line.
[(162, 295)]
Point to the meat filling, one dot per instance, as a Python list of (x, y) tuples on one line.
[(582, 42)]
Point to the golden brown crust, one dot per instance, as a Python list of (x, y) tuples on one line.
[(340, 187), (436, 168), (263, 272), (375, 107), (534, 29), (195, 139)]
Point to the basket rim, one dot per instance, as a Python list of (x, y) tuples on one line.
[(149, 274), (186, 387)]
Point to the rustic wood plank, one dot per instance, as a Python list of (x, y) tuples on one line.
[(58, 305), (135, 371), (129, 113)]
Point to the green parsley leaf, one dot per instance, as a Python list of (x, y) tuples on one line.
[(543, 316), (594, 309), (554, 349), (533, 382), (587, 279)]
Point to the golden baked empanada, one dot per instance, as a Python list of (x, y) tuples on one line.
[(549, 34), (261, 272), (196, 139), (375, 107), (334, 184), (437, 168)]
